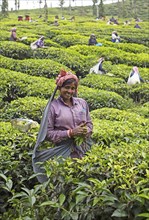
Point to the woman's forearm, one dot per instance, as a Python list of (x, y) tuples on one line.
[(57, 135)]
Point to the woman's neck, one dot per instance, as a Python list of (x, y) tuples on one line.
[(68, 102)]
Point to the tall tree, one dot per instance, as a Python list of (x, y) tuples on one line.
[(134, 8), (119, 8), (70, 6), (40, 2), (16, 5), (45, 11), (94, 7), (101, 9), (123, 9), (61, 5), (5, 7)]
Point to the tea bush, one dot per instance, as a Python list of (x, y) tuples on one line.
[(27, 107), (47, 68), (15, 50), (70, 58), (139, 93), (70, 40), (113, 114), (103, 99), (109, 132), (114, 125), (114, 55), (15, 165), (17, 84), (142, 110)]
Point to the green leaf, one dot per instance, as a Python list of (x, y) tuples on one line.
[(144, 196), (61, 199), (119, 213), (144, 215), (50, 203), (26, 190), (32, 200), (22, 194), (95, 201), (27, 218), (74, 216), (9, 184), (79, 198), (3, 176)]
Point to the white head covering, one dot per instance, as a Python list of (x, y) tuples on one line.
[(135, 69), (42, 37), (13, 29), (101, 59)]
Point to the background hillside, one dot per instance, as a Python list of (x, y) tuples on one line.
[(122, 9), (129, 9)]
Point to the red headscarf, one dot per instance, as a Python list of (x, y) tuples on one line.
[(63, 76)]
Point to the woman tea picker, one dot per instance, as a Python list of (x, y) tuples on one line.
[(134, 77), (98, 69), (64, 120)]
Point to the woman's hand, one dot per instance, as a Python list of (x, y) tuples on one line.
[(79, 130)]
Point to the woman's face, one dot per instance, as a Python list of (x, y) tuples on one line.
[(67, 91)]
